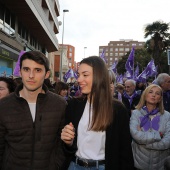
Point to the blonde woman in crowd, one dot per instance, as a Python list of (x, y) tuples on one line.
[(150, 130)]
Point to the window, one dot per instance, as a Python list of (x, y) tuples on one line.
[(116, 49), (140, 44), (7, 18), (133, 44), (1, 16), (70, 49), (106, 54), (70, 54), (121, 49), (116, 54), (111, 49), (100, 50), (111, 54), (127, 49), (121, 54), (111, 59)]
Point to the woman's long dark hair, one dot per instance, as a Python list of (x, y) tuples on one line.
[(100, 96)]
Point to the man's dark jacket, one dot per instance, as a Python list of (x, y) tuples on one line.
[(131, 106), (28, 145)]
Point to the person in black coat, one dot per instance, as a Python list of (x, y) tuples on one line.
[(130, 97), (97, 132)]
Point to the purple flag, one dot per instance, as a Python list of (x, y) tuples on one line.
[(102, 56), (113, 67), (136, 73), (120, 79), (17, 66), (142, 77), (68, 74), (130, 63), (128, 75), (151, 69), (75, 75)]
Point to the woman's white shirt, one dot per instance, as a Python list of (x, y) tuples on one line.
[(91, 144)]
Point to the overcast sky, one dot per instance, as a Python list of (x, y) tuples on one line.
[(94, 23)]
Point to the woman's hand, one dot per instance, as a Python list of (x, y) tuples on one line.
[(68, 134), (139, 128)]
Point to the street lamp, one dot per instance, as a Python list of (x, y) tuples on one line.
[(84, 51), (65, 10)]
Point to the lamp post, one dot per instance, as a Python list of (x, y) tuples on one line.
[(85, 51), (65, 10)]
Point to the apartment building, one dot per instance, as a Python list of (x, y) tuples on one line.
[(55, 63), (67, 53), (116, 49), (70, 55), (27, 25)]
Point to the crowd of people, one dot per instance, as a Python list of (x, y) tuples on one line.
[(94, 123)]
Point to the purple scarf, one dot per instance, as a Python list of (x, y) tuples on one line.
[(130, 97), (146, 123)]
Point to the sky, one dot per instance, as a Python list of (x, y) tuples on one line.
[(94, 23)]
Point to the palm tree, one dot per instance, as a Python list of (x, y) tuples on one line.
[(158, 42)]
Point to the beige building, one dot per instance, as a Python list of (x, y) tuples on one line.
[(54, 58), (116, 49), (67, 53)]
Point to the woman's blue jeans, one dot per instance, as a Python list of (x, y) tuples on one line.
[(74, 166)]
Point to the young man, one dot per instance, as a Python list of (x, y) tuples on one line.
[(31, 120)]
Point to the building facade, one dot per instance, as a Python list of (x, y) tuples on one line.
[(70, 55), (67, 53), (116, 49), (55, 63), (27, 25)]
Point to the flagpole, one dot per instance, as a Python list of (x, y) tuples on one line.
[(133, 65)]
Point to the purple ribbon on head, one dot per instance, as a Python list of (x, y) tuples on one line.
[(145, 120), (130, 97)]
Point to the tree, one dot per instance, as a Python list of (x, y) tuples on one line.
[(158, 42), (141, 57)]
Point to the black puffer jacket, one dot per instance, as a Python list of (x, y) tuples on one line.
[(28, 145)]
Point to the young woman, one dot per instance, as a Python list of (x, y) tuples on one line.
[(61, 88), (97, 131), (150, 130), (7, 86)]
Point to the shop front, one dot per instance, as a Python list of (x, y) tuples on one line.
[(8, 59)]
